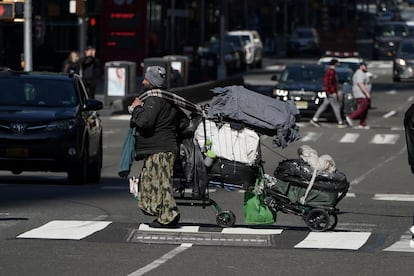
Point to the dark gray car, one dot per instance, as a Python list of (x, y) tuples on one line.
[(387, 37), (48, 123), (403, 63)]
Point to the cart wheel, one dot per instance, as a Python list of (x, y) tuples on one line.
[(226, 219), (318, 220), (333, 220)]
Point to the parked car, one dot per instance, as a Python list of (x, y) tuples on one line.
[(48, 123), (387, 36), (231, 55), (238, 44), (253, 45), (303, 40), (403, 63), (302, 83)]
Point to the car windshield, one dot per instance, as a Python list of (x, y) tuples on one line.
[(407, 48), (303, 74), (302, 34), (392, 30), (343, 76), (37, 92), (245, 38), (234, 39)]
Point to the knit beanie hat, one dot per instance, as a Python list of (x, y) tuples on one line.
[(156, 75)]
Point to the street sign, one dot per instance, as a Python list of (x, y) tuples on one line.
[(6, 11)]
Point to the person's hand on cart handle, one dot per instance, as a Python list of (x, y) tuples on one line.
[(135, 103)]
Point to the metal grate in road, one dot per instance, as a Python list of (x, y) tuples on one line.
[(201, 238)]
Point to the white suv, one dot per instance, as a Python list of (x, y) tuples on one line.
[(253, 46)]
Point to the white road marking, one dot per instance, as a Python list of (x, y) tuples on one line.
[(161, 260), (311, 136), (362, 177), (349, 138), (392, 92), (65, 229), (389, 114), (385, 139), (251, 231), (181, 229), (394, 197), (403, 245), (124, 117), (335, 240)]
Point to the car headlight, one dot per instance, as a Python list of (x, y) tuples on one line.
[(63, 125), (280, 92), (322, 94), (400, 61)]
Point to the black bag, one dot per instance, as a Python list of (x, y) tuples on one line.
[(299, 172), (233, 172)]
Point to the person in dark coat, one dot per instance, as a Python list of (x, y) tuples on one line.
[(90, 71), (158, 123), (72, 64)]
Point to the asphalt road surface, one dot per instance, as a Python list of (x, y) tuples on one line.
[(50, 228)]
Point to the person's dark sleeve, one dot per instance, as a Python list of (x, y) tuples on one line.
[(145, 116)]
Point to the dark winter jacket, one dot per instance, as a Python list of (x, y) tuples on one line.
[(158, 124), (90, 68)]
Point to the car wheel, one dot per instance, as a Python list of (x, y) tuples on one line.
[(95, 168), (77, 173), (396, 79)]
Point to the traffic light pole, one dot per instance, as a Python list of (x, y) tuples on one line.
[(28, 66)]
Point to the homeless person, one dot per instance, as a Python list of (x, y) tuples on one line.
[(158, 123)]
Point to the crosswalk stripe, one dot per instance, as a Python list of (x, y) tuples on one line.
[(349, 138), (403, 245), (334, 240), (385, 139), (394, 197), (65, 229), (251, 231), (124, 117), (311, 137)]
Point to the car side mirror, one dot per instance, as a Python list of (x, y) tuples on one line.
[(92, 104)]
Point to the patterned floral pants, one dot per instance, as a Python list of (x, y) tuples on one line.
[(156, 194)]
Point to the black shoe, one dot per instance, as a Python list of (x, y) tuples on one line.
[(156, 224), (147, 214), (172, 224), (175, 221)]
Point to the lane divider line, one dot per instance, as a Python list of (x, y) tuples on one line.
[(163, 259)]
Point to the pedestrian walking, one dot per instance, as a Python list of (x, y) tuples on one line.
[(158, 122), (72, 64), (331, 90), (90, 70), (361, 90)]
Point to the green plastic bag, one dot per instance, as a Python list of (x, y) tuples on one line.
[(255, 210)]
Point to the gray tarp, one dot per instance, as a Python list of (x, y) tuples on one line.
[(259, 112)]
